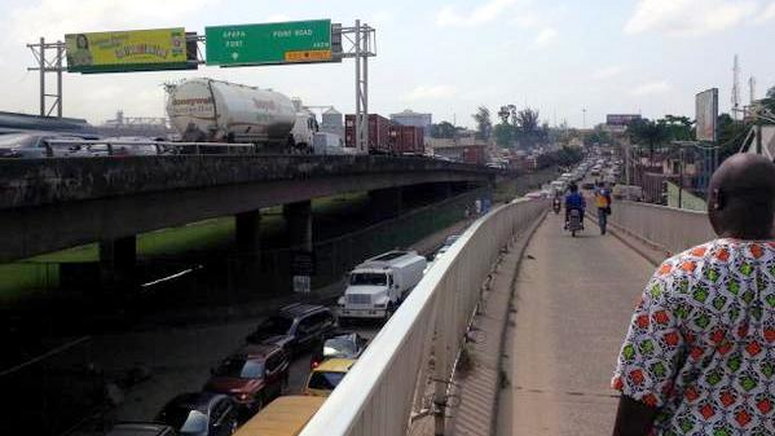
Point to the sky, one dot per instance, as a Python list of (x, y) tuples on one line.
[(572, 60)]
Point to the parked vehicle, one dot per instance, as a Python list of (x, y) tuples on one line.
[(285, 416), (252, 376), (201, 414), (141, 429), (217, 111), (295, 327), (326, 377), (343, 345), (378, 285), (36, 145)]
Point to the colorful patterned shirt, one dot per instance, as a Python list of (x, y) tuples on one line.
[(701, 344)]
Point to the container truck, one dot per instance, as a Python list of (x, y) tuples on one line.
[(207, 110), (379, 133), (408, 140), (378, 285)]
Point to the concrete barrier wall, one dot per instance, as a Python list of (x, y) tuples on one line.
[(376, 397), (35, 182), (665, 228)]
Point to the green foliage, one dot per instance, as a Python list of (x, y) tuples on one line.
[(648, 134), (444, 129), (483, 123), (731, 135), (565, 156), (520, 128)]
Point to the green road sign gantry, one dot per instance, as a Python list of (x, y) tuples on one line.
[(272, 43)]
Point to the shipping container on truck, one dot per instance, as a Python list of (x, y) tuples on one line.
[(407, 139), (379, 133)]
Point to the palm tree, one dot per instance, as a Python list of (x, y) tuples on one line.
[(648, 134)]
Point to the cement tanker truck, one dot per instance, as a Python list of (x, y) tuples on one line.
[(207, 110)]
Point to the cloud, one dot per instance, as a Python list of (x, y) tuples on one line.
[(651, 88), (430, 92), (450, 17), (767, 14), (545, 36), (66, 16), (689, 17), (608, 72)]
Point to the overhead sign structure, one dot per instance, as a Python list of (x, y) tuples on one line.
[(272, 43), (707, 114), (133, 50)]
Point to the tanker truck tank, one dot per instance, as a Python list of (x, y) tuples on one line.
[(210, 110)]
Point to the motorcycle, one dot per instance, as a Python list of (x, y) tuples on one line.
[(574, 222), (556, 206)]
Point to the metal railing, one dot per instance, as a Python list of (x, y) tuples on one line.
[(102, 147), (669, 229), (380, 391)]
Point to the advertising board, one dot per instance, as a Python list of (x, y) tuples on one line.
[(706, 114)]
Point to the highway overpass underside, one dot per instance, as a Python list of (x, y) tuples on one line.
[(114, 222)]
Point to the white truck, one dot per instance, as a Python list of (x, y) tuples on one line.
[(208, 110), (377, 286)]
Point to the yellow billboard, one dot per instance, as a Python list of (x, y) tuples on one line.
[(133, 50)]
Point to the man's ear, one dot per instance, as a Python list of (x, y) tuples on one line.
[(718, 199)]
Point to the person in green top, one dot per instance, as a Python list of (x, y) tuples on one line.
[(81, 55)]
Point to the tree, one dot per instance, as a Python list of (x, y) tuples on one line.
[(503, 135), (679, 128), (732, 136), (483, 123), (648, 134), (444, 129)]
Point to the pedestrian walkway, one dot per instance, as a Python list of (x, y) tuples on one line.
[(574, 298)]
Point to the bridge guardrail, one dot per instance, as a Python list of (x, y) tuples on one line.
[(378, 394), (669, 229)]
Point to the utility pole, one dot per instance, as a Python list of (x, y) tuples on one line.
[(735, 89), (681, 180), (584, 118), (45, 64)]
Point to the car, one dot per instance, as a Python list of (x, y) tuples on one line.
[(588, 185), (36, 145), (132, 146), (295, 327), (326, 377), (252, 376), (141, 429), (201, 414), (344, 345)]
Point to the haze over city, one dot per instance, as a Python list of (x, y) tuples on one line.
[(442, 57)]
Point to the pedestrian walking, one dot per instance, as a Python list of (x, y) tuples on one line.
[(699, 355), (603, 203)]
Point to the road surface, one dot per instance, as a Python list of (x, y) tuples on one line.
[(574, 298)]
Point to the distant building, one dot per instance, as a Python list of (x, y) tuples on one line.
[(465, 149), (332, 122), (412, 118), (137, 126)]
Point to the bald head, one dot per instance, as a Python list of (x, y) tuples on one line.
[(741, 197)]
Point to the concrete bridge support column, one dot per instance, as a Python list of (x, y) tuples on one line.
[(246, 272), (118, 258), (298, 219), (386, 203), (248, 233)]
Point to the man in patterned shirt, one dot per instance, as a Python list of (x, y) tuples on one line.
[(699, 356)]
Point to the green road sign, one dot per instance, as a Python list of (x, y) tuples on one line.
[(274, 43)]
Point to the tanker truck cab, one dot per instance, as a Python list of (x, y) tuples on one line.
[(377, 286), (303, 132)]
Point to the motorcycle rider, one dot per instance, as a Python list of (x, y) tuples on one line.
[(603, 203), (557, 202), (574, 200)]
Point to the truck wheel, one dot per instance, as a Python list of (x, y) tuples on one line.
[(389, 311)]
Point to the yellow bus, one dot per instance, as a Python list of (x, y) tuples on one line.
[(285, 416)]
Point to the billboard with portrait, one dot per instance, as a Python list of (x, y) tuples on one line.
[(134, 50)]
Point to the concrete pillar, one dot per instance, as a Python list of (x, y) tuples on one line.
[(386, 203), (248, 232), (298, 224), (118, 258)]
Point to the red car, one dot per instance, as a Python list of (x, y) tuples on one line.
[(253, 376)]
